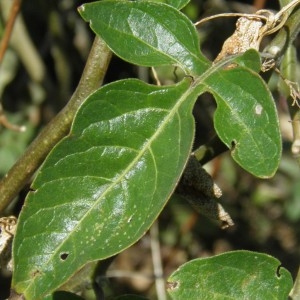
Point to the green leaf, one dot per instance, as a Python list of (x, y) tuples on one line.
[(233, 275), (147, 33), (179, 4), (250, 59), (102, 187), (246, 119)]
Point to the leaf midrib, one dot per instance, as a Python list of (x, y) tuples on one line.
[(146, 147)]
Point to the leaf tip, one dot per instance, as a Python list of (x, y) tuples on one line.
[(81, 10), (233, 145)]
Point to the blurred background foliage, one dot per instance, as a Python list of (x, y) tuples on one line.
[(41, 69)]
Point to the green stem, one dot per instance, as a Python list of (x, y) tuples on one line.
[(289, 72), (59, 127), (284, 39)]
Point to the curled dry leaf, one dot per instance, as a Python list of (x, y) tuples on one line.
[(199, 189), (251, 29), (7, 232)]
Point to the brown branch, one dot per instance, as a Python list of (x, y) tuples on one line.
[(9, 27)]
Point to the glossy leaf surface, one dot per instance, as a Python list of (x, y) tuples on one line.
[(250, 59), (102, 187), (246, 119), (169, 36), (233, 275), (179, 4)]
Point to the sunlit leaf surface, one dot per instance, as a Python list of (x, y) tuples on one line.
[(103, 186), (234, 275), (170, 37)]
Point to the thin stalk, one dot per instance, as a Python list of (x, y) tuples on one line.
[(157, 262), (15, 8), (295, 292), (283, 44), (58, 128), (289, 71)]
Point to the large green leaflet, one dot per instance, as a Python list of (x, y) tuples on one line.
[(169, 36), (234, 275), (103, 186), (246, 119)]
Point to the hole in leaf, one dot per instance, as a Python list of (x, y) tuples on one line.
[(189, 76), (233, 145), (64, 255), (35, 273), (172, 285), (278, 271)]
